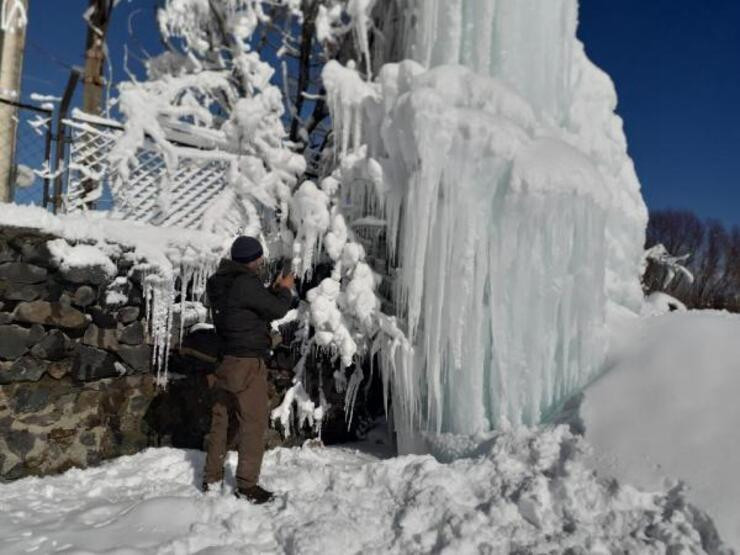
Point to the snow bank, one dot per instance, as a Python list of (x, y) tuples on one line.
[(162, 255), (527, 491), (668, 408)]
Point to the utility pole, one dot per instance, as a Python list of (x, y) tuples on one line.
[(13, 20), (98, 15)]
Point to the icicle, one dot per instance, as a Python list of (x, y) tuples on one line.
[(350, 397)]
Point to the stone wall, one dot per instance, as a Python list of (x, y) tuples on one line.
[(76, 381), (75, 378)]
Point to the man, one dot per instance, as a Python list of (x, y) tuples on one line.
[(242, 310)]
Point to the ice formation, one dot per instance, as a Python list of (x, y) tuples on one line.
[(510, 202)]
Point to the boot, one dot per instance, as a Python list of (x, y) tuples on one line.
[(254, 494), (207, 487)]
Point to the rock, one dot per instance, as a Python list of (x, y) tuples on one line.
[(51, 347), (16, 291), (88, 439), (54, 291), (20, 442), (128, 314), (65, 298), (6, 318), (53, 314), (25, 369), (84, 296), (96, 274), (7, 254), (31, 399), (59, 369), (93, 364), (103, 338), (102, 318), (36, 334), (14, 341), (133, 334), (20, 272), (138, 357), (37, 252)]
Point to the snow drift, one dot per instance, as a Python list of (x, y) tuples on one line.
[(667, 408), (524, 491)]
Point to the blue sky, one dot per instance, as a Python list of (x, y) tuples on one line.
[(676, 67), (675, 63)]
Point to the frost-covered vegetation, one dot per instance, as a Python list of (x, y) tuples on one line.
[(696, 261)]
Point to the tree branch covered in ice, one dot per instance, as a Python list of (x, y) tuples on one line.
[(214, 87)]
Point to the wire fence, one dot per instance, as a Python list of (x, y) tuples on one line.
[(25, 153)]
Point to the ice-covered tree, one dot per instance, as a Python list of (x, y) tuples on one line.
[(243, 78)]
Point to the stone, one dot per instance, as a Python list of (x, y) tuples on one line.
[(88, 439), (137, 357), (54, 291), (93, 364), (7, 254), (52, 314), (128, 314), (84, 296), (17, 291), (96, 274), (37, 252), (20, 272), (58, 369), (133, 334), (6, 318), (25, 369), (65, 298), (103, 338), (35, 334), (20, 442), (102, 318), (14, 341), (51, 347)]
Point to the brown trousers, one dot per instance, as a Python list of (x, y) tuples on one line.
[(242, 384)]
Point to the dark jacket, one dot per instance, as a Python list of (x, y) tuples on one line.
[(243, 308)]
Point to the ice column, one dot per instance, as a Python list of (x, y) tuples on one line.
[(512, 206)]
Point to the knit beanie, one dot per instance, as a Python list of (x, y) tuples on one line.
[(245, 249)]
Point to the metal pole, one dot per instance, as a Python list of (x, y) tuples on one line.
[(47, 159), (74, 76)]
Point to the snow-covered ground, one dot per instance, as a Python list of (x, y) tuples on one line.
[(526, 491), (668, 408)]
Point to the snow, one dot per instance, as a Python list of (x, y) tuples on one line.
[(524, 491), (37, 97), (80, 256), (658, 303), (667, 408)]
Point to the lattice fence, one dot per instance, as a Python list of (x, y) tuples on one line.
[(189, 190)]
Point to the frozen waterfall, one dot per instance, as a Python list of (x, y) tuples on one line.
[(512, 208)]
